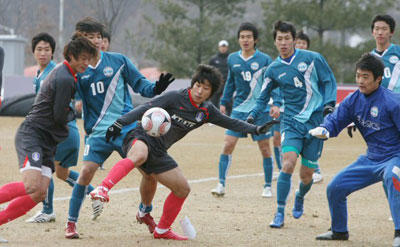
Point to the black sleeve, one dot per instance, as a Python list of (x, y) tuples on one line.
[(218, 118), (63, 93), (1, 67), (162, 101)]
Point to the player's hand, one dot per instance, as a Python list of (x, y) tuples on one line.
[(250, 119), (328, 110), (264, 128), (113, 131), (275, 111), (319, 132), (222, 108), (163, 82), (350, 129), (78, 106)]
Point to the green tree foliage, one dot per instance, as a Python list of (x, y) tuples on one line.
[(337, 19), (189, 32)]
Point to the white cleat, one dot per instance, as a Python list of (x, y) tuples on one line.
[(2, 240), (390, 219), (267, 192), (396, 242), (219, 191), (317, 178), (41, 217), (97, 207)]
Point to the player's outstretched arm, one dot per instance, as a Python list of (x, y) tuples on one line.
[(265, 128)]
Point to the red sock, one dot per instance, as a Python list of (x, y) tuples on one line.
[(119, 171), (172, 207), (17, 207), (11, 191)]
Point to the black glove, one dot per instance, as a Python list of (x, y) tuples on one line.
[(162, 83), (351, 129), (250, 120), (113, 131), (328, 110), (264, 129)]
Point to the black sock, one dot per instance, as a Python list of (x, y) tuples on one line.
[(396, 233)]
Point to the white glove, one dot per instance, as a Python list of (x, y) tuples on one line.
[(319, 132)]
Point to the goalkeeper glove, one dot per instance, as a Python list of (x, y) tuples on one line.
[(319, 132), (264, 128)]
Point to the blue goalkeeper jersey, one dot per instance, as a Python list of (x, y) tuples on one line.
[(39, 78), (306, 85), (104, 91), (376, 116), (243, 78), (391, 59)]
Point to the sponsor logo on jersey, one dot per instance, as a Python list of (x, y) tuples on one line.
[(302, 66), (36, 156), (85, 77), (236, 65), (183, 121), (394, 59), (281, 75), (374, 111), (254, 66), (199, 116), (368, 123), (108, 71)]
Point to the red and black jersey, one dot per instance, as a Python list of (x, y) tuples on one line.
[(185, 116)]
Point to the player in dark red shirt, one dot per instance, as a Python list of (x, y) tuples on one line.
[(189, 109)]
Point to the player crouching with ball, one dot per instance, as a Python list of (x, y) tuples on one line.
[(376, 112), (189, 109)]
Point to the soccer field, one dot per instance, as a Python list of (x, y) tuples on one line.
[(240, 218)]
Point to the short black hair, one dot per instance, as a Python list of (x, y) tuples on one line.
[(77, 46), (211, 74), (106, 35), (248, 26), (371, 63), (301, 35), (46, 38), (386, 18), (284, 27), (90, 25)]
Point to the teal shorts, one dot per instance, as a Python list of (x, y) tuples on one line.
[(259, 121)]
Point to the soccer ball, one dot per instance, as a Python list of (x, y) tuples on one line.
[(156, 121)]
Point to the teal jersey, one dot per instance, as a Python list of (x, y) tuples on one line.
[(391, 74), (306, 85), (39, 78), (104, 91), (243, 79)]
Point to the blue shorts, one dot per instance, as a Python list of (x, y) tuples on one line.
[(295, 134), (97, 150), (68, 151), (259, 121)]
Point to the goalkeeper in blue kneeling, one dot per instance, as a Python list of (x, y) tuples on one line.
[(376, 112)]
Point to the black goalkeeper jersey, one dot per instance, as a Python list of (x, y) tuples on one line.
[(185, 116)]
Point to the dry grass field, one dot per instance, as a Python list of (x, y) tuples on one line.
[(241, 218)]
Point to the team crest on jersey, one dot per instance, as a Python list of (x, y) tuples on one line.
[(36, 156), (393, 59), (254, 66), (199, 116), (374, 111), (302, 66), (108, 71)]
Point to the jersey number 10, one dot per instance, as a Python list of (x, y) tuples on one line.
[(97, 87)]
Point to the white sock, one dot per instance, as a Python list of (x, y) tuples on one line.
[(161, 231), (141, 214)]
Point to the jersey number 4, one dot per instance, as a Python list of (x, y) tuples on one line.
[(97, 87), (297, 82)]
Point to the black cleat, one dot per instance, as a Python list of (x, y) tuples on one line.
[(331, 235)]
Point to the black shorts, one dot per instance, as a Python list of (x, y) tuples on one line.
[(158, 160), (34, 146)]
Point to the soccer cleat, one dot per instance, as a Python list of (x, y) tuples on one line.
[(219, 191), (331, 235), (298, 208), (100, 193), (267, 192), (148, 220), (278, 221), (396, 242), (317, 178), (97, 207), (169, 235), (70, 231), (41, 217), (2, 240)]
